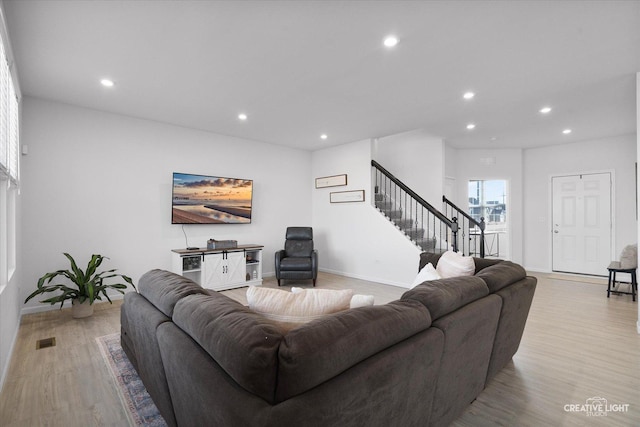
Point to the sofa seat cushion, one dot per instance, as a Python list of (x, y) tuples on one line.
[(243, 343), (499, 275), (164, 289), (295, 264), (292, 309), (322, 349), (443, 296)]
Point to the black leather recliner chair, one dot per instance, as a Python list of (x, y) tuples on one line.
[(298, 259)]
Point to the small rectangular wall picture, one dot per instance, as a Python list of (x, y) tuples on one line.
[(331, 181), (347, 196)]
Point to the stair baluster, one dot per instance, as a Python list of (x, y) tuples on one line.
[(423, 224)]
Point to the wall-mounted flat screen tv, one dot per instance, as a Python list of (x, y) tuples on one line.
[(201, 199)]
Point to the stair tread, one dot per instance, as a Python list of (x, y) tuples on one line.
[(420, 231)]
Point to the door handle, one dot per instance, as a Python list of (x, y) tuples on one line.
[(555, 231)]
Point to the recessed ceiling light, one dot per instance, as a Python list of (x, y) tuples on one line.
[(545, 110), (107, 83), (242, 116), (324, 136), (390, 41), (471, 126), (566, 131), (468, 95)]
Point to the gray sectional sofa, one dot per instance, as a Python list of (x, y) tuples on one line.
[(207, 360)]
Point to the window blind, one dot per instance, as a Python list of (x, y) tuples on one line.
[(9, 127), (4, 96), (12, 133)]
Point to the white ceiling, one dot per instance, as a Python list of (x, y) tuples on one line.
[(299, 69)]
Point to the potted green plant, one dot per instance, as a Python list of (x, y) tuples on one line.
[(85, 287)]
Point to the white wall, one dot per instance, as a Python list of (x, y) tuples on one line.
[(355, 239), (9, 294), (616, 154), (10, 303), (503, 164), (451, 175), (95, 182), (417, 159), (637, 161)]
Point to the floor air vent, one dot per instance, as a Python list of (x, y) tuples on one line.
[(46, 342)]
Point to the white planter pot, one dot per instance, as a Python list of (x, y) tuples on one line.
[(80, 310)]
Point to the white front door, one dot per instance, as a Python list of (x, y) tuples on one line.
[(582, 223)]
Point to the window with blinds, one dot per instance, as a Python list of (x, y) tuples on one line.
[(9, 169), (9, 129)]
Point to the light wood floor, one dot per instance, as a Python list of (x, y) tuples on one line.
[(577, 345)]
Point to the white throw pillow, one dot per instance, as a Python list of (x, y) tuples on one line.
[(361, 301), (357, 300), (290, 310), (453, 264), (428, 272)]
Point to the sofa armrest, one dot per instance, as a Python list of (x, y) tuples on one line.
[(516, 303), (500, 275), (243, 343), (142, 321), (164, 289)]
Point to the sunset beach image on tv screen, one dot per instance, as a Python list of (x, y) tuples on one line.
[(200, 199)]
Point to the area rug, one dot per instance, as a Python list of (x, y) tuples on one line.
[(137, 403)]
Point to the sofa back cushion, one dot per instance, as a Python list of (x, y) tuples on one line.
[(499, 275), (164, 289), (322, 349), (443, 296), (428, 258), (243, 343)]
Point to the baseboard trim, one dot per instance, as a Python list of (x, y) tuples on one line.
[(367, 278), (41, 308), (5, 369)]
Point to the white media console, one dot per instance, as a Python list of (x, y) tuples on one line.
[(220, 269)]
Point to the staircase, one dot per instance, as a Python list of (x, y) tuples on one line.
[(408, 226), (420, 222)]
